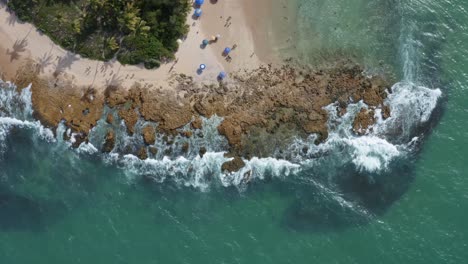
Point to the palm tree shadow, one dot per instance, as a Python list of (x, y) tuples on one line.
[(11, 20), (66, 61), (18, 48), (114, 81), (106, 65), (44, 61)]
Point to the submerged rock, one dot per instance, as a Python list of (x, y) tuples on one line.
[(233, 165), (202, 152), (109, 142), (185, 147), (153, 150), (186, 134), (142, 153)]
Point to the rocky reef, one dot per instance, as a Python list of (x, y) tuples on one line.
[(262, 110)]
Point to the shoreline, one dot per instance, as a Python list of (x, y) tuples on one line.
[(264, 103), (22, 42)]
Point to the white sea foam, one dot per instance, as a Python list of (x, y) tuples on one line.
[(197, 172), (371, 153), (410, 105), (16, 111), (87, 148)]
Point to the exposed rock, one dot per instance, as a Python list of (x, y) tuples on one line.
[(276, 103), (115, 96), (342, 111), (167, 110), (197, 123), (363, 121), (56, 100), (109, 142), (385, 112), (66, 137), (142, 153), (233, 165), (110, 119), (78, 139), (186, 134), (130, 116), (149, 134), (232, 131)]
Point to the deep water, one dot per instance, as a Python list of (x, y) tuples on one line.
[(401, 199)]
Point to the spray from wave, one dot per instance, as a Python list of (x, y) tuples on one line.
[(411, 105), (389, 139), (16, 112)]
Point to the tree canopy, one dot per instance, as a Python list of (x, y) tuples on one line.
[(135, 31)]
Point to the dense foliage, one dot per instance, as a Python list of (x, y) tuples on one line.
[(136, 31)]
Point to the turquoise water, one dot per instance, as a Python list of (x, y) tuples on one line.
[(367, 202)]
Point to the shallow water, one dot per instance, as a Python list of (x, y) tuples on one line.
[(365, 200)]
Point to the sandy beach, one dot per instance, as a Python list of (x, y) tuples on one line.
[(238, 22), (265, 104)]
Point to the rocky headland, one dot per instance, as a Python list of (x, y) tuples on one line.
[(263, 110)]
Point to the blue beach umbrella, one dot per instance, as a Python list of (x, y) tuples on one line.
[(205, 42), (202, 67), (199, 2), (227, 50), (198, 12), (222, 75)]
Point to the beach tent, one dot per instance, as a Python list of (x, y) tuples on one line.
[(222, 75), (198, 12), (199, 2), (227, 50)]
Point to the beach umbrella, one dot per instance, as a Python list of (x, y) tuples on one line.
[(222, 75), (227, 50), (199, 2), (202, 66), (205, 42), (198, 12)]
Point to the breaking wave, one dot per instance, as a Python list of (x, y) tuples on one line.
[(411, 106), (16, 112)]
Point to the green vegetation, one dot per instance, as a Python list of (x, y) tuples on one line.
[(135, 31)]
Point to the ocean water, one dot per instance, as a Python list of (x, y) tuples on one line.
[(398, 195)]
